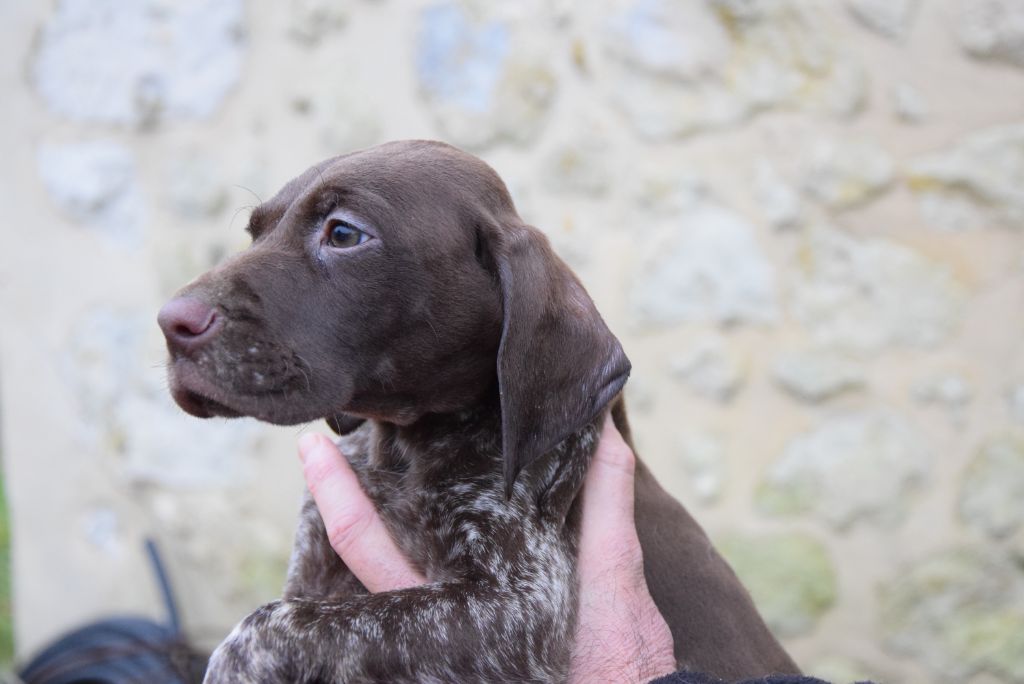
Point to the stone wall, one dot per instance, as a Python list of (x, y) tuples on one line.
[(804, 219)]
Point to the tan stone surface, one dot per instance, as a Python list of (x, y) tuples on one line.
[(802, 177)]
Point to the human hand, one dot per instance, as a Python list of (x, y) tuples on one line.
[(620, 637)]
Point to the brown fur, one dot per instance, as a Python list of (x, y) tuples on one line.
[(470, 372)]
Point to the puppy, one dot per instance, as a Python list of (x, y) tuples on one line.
[(395, 292)]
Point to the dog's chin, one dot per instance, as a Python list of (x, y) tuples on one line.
[(201, 398), (200, 405)]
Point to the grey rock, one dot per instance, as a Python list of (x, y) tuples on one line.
[(789, 575), (890, 18), (480, 89), (646, 35), (678, 68), (136, 63), (310, 21), (128, 416), (777, 200), (343, 119), (578, 166), (978, 181), (95, 184), (1016, 399), (992, 29), (710, 368), (194, 187), (864, 295), (861, 466), (702, 456), (848, 173), (949, 390), (817, 374), (908, 103), (992, 494), (960, 612), (832, 668), (707, 267)]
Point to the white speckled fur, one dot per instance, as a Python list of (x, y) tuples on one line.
[(501, 600)]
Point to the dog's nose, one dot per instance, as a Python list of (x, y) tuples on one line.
[(188, 324)]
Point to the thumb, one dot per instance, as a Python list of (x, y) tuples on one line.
[(354, 529), (608, 489)]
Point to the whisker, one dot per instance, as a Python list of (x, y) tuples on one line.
[(231, 224), (302, 365), (259, 200)]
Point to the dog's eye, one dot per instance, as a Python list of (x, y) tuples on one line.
[(341, 235)]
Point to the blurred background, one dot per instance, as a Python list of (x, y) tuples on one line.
[(804, 219)]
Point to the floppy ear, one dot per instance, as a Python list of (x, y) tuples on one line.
[(558, 364)]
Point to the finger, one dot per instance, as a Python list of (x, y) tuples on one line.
[(354, 529), (608, 488)]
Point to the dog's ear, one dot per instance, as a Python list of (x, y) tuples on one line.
[(342, 423), (558, 364)]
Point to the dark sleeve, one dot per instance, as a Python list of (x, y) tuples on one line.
[(686, 677)]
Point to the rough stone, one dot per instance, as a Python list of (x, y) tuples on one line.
[(646, 36), (817, 374), (890, 18), (669, 195), (681, 67), (702, 455), (790, 577), (867, 294), (949, 390), (852, 467), (640, 396), (132, 64), (979, 181), (708, 267), (480, 89), (237, 565), (95, 184), (194, 187), (961, 612), (343, 119), (129, 417), (839, 669), (310, 21), (710, 368), (845, 174), (992, 29), (101, 528), (1016, 398), (777, 200), (578, 166), (992, 496), (908, 103)]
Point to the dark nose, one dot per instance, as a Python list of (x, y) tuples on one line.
[(187, 323)]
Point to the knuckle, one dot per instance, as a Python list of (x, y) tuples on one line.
[(629, 561), (318, 472), (617, 455), (345, 528)]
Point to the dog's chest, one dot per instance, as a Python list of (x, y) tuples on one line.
[(443, 501)]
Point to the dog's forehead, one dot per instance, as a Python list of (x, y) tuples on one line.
[(411, 168), (394, 183)]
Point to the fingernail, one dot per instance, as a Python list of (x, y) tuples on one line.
[(307, 443)]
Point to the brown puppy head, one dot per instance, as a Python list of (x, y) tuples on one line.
[(392, 283)]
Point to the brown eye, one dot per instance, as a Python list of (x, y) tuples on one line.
[(343, 235)]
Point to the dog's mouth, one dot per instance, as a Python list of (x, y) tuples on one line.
[(200, 396), (195, 395)]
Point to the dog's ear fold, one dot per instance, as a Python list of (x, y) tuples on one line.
[(558, 364), (342, 423)]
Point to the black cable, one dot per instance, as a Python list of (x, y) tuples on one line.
[(122, 650)]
